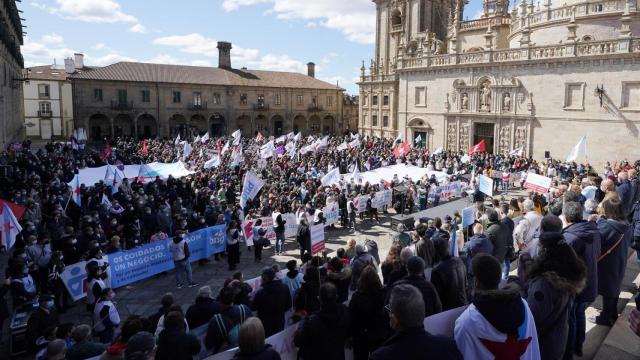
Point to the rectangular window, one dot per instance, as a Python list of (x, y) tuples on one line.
[(420, 98), (385, 121), (374, 120), (364, 100), (122, 96), (243, 99), (197, 99), (216, 98), (97, 94), (177, 97), (43, 91), (329, 100), (574, 96), (375, 100), (300, 99), (278, 100), (45, 108), (146, 96), (261, 99), (385, 100)]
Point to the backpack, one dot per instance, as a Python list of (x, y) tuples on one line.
[(231, 336)]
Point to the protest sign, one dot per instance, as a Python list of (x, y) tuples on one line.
[(291, 226), (317, 238), (537, 183), (381, 199), (331, 214), (74, 278), (486, 185), (443, 323), (468, 216), (360, 202), (267, 224)]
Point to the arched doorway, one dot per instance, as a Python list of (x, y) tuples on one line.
[(278, 125), (99, 127), (328, 125), (198, 124), (300, 124), (178, 126), (244, 124), (261, 124), (315, 124), (217, 125), (147, 126), (421, 133), (123, 125)]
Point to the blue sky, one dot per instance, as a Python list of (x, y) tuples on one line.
[(267, 34)]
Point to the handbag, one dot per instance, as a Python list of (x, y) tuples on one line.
[(610, 250)]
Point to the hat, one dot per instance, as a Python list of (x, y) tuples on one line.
[(360, 249), (415, 265), (204, 292), (139, 346)]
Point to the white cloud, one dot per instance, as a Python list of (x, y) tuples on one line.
[(164, 59), (278, 63), (354, 18), (95, 11), (105, 60), (138, 28), (52, 39), (201, 63), (198, 44)]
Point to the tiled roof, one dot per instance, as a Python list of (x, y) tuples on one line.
[(49, 72), (181, 74)]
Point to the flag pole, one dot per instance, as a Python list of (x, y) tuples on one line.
[(67, 204)]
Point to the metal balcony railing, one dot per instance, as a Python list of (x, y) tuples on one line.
[(118, 105)]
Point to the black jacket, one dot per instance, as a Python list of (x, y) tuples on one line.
[(303, 237), (322, 336), (498, 233), (426, 250), (432, 304), (612, 267), (449, 278), (585, 239), (417, 344), (271, 302), (39, 322), (201, 312), (174, 344), (369, 322), (267, 353)]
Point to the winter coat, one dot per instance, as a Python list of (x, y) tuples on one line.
[(267, 353), (426, 250), (417, 344), (201, 312), (499, 236), (358, 264), (449, 278), (322, 336), (271, 302), (478, 244), (308, 295), (369, 322), (585, 239), (341, 280), (626, 193), (432, 304), (303, 237), (612, 267), (39, 322), (175, 344)]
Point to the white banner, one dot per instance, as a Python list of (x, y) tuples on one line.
[(381, 199), (537, 183), (331, 213), (149, 172), (251, 187), (332, 177), (486, 185), (291, 227), (360, 202)]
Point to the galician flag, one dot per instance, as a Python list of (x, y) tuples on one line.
[(76, 191), (579, 150), (177, 141), (10, 227), (105, 201)]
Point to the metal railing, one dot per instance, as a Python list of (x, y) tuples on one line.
[(118, 105)]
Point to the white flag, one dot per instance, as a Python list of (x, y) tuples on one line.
[(186, 150), (236, 137), (105, 201), (213, 162), (418, 139), (292, 150), (355, 143), (579, 150), (516, 152), (355, 136), (297, 137), (306, 149), (267, 150), (332, 177), (10, 227), (438, 151), (281, 139), (205, 138), (399, 139), (196, 139), (236, 157), (117, 181), (356, 174), (225, 148), (291, 135), (250, 188), (177, 140), (342, 147)]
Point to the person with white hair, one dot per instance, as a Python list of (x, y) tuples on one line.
[(526, 232)]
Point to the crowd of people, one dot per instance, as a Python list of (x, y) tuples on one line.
[(571, 244)]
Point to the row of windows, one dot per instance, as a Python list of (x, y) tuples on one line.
[(197, 98), (374, 100), (385, 120)]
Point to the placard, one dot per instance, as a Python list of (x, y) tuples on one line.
[(537, 183), (317, 238), (486, 185)]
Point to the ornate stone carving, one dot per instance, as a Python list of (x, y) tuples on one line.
[(451, 136), (506, 102), (505, 139), (464, 135), (521, 137), (465, 101), (485, 96)]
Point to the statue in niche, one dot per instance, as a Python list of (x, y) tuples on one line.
[(485, 96), (465, 101), (506, 102)]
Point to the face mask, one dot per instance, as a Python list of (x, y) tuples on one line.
[(50, 304), (111, 296), (25, 270), (74, 241)]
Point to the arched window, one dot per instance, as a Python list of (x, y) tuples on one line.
[(396, 17), (587, 38)]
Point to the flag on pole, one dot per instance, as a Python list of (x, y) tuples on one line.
[(399, 139), (259, 137), (418, 139), (354, 136), (267, 150), (10, 227), (281, 139), (76, 191), (479, 147), (197, 139), (236, 137), (117, 181), (355, 143), (105, 201), (356, 174), (579, 150), (250, 188), (516, 152), (225, 148), (213, 162), (177, 141), (402, 150), (186, 150), (439, 150), (145, 147), (454, 241), (106, 153), (205, 138), (342, 147), (297, 137), (236, 157), (332, 177)]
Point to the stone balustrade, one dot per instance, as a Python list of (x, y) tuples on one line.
[(477, 24)]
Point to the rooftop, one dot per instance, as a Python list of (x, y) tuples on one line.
[(50, 72), (200, 75)]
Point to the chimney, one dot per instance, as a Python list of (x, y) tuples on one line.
[(224, 55), (69, 66), (311, 70), (79, 61)]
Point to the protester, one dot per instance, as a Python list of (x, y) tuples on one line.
[(323, 335), (141, 346), (526, 232), (303, 237), (391, 262), (431, 300), (271, 302), (83, 348), (402, 237), (424, 245), (251, 342), (180, 252), (411, 341), (105, 316), (368, 320), (556, 276), (166, 302), (478, 244), (449, 277), (498, 234), (339, 275), (41, 320), (204, 308), (223, 328), (233, 245), (174, 342), (614, 253), (497, 319), (510, 225)]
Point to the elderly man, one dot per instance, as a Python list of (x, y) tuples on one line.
[(626, 191), (526, 232), (411, 341), (402, 237)]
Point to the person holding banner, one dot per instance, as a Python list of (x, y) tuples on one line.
[(180, 254), (233, 245)]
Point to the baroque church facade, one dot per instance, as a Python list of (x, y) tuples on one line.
[(536, 77)]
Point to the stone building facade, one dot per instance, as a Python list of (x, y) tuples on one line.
[(350, 111), (11, 63), (534, 77), (146, 100)]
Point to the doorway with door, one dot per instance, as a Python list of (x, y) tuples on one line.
[(484, 131)]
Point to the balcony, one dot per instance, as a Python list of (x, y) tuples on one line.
[(45, 114), (260, 107), (199, 106), (120, 105), (315, 108)]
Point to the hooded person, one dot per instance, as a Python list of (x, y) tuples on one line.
[(556, 276), (498, 323), (359, 262)]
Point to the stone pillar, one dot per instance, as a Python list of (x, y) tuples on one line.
[(571, 28), (111, 123)]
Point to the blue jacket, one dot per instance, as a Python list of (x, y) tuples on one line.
[(585, 239), (611, 268), (478, 244)]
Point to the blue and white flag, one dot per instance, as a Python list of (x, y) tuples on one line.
[(105, 201), (250, 188), (205, 138), (76, 191), (213, 162), (332, 177), (454, 241), (236, 137), (10, 227)]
